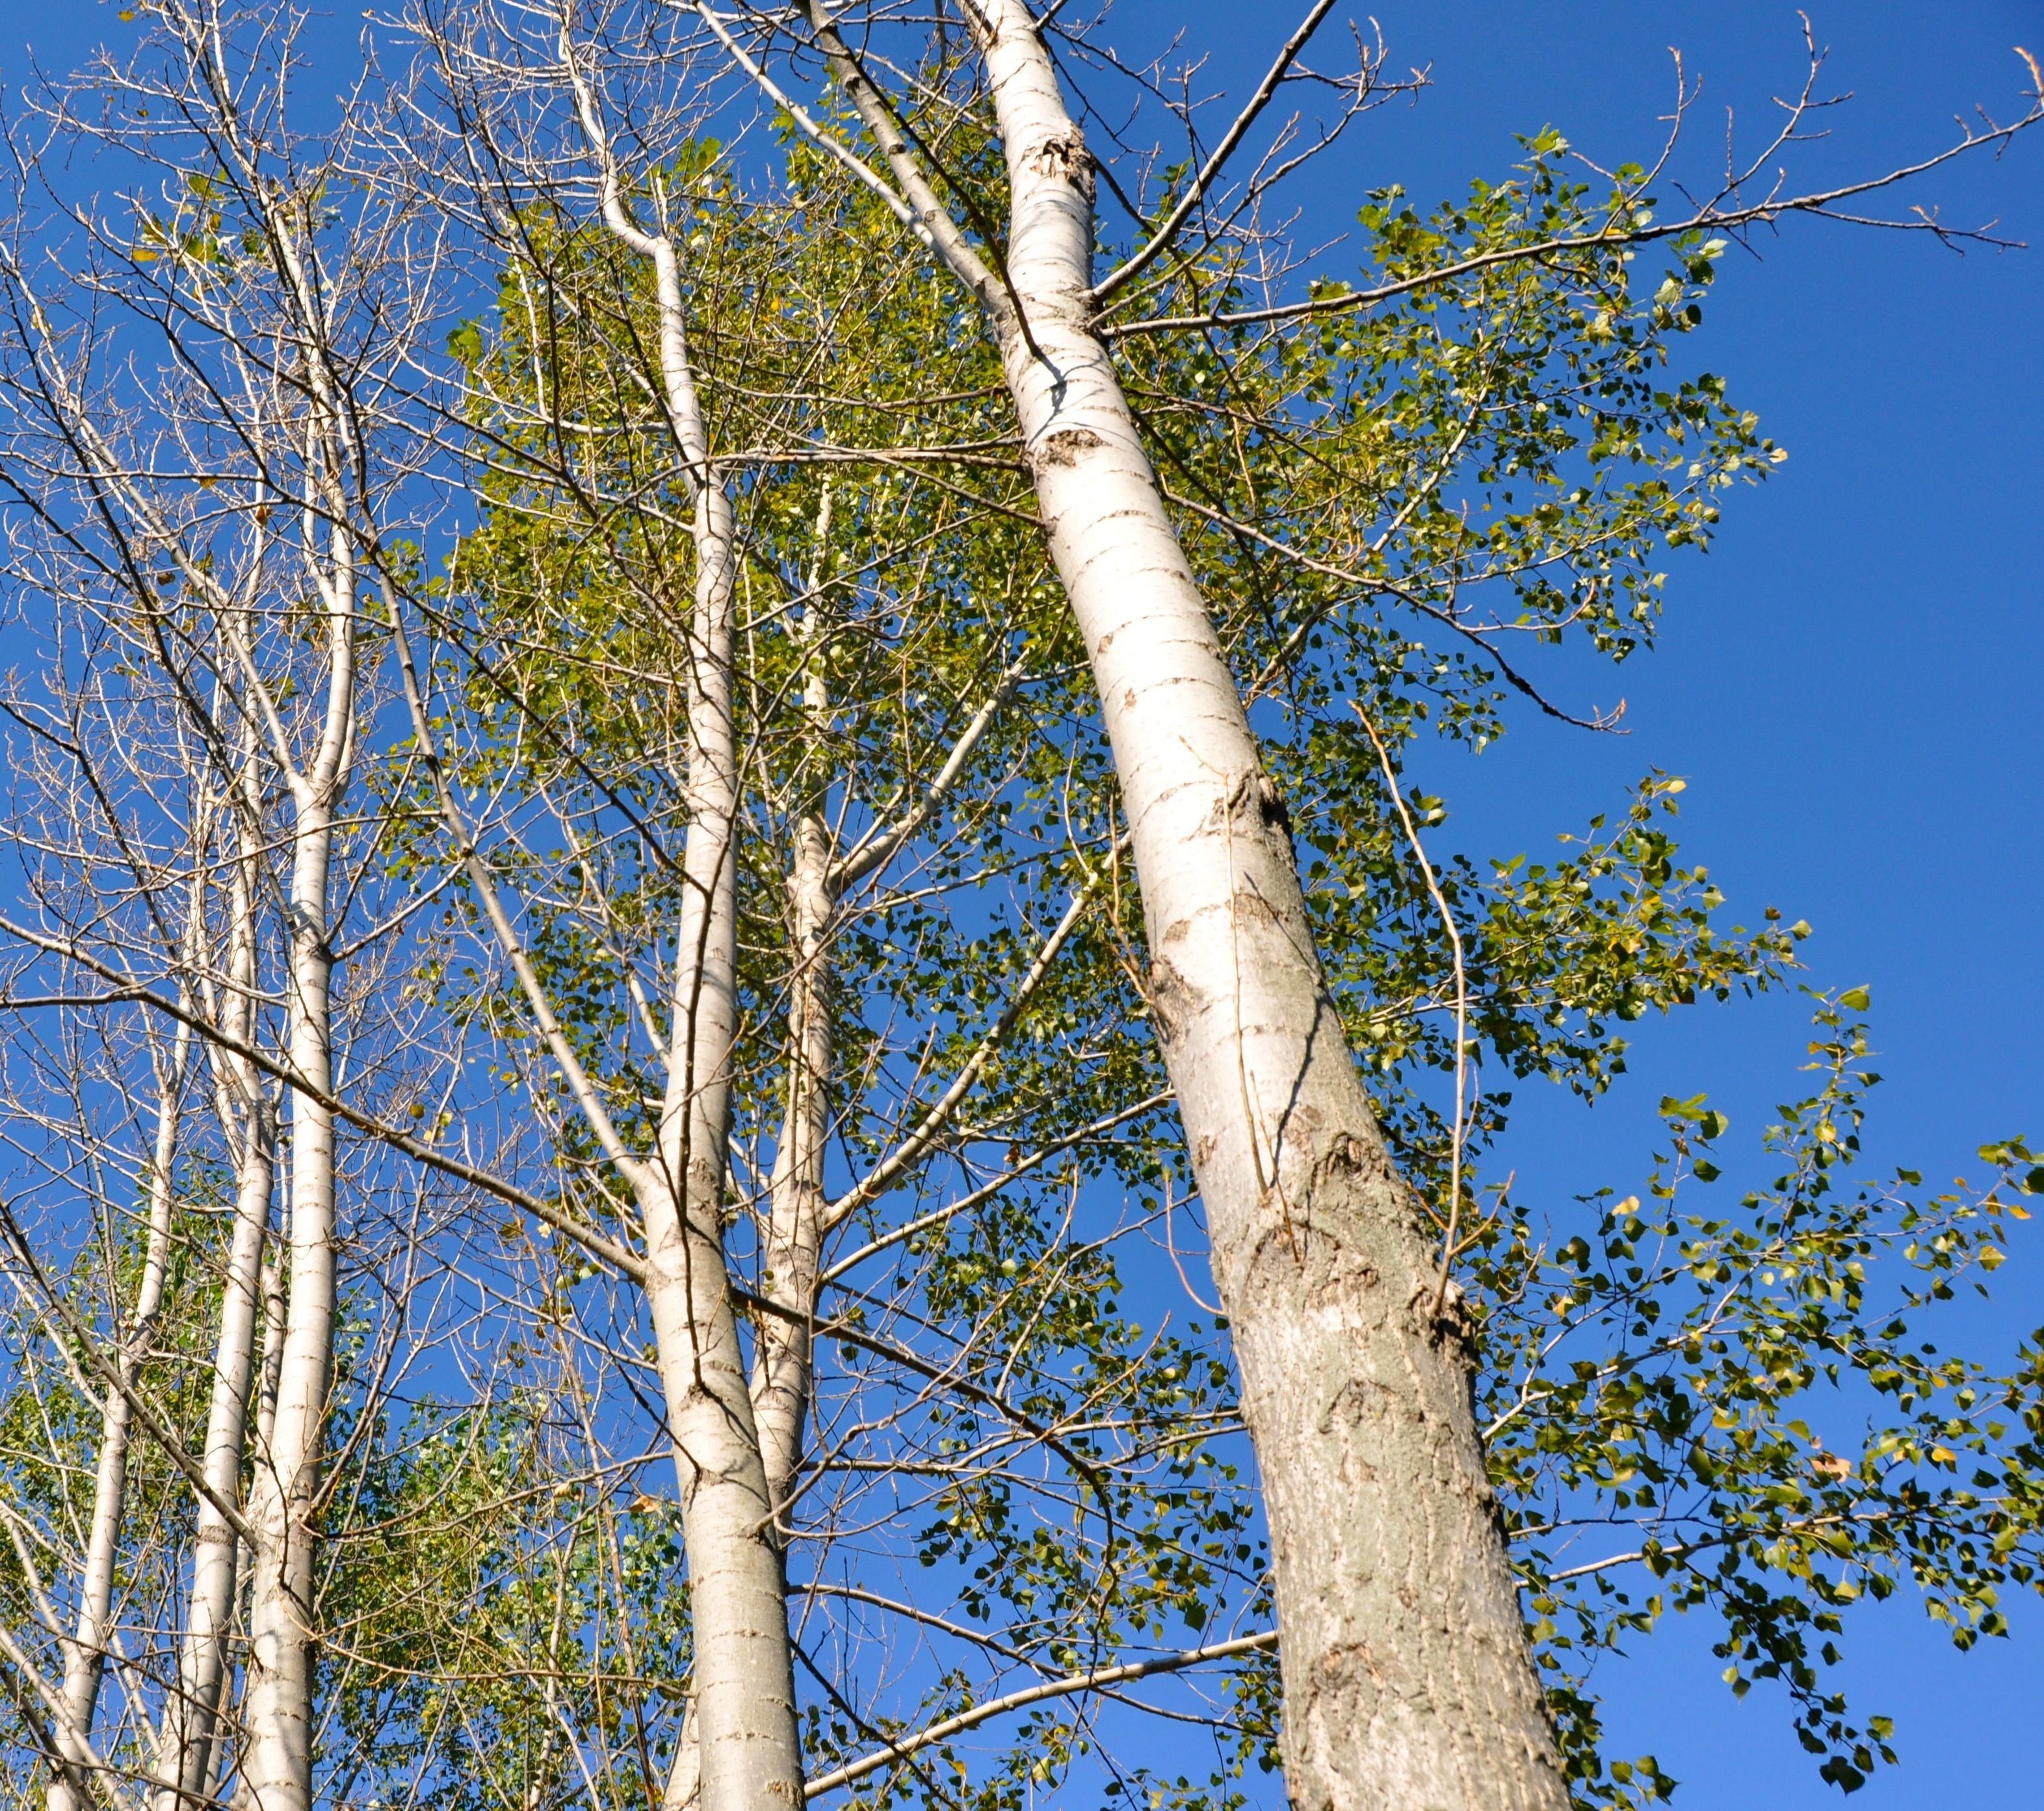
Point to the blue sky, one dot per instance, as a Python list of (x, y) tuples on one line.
[(1849, 681)]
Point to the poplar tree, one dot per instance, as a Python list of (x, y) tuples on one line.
[(880, 775)]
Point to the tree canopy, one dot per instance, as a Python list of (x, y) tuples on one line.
[(538, 609)]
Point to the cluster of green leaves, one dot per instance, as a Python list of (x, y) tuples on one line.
[(1558, 956), (499, 1627), (1358, 487), (1731, 1408)]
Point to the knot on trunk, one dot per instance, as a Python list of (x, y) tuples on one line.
[(1348, 1155), (1254, 795), (1061, 448), (1174, 1002), (1271, 803), (1065, 159), (1449, 1321), (1345, 1664)]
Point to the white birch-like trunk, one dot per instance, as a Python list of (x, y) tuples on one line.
[(783, 1362), (221, 1762), (782, 1357), (85, 1656), (746, 1751), (1407, 1681), (277, 1763), (188, 1743), (796, 1205)]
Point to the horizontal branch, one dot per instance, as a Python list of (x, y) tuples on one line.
[(1705, 1544), (1709, 218), (1104, 1676)]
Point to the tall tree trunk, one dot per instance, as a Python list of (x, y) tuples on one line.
[(222, 1763), (794, 1239), (1407, 1681), (748, 1748), (85, 1657), (279, 1758), (781, 1379), (743, 1698), (188, 1743), (277, 1762), (796, 1207)]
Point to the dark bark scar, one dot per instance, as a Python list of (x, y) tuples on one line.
[(1063, 448), (1256, 788), (1065, 157), (1173, 1000), (1272, 803), (1350, 1153)]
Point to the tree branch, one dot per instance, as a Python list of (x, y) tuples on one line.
[(950, 1726)]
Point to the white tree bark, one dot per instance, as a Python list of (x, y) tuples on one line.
[(743, 1698), (797, 1207), (747, 1752), (796, 1204), (1407, 1681), (189, 1720), (221, 1762), (85, 1655), (278, 1763)]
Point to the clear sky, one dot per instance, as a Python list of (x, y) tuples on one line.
[(1850, 683)]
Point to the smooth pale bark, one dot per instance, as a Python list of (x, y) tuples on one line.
[(743, 1697), (188, 1739), (747, 1751), (1407, 1681), (782, 1355), (744, 1691), (276, 1765), (222, 1760), (796, 1202), (800, 1215), (684, 1781), (796, 1207), (85, 1656)]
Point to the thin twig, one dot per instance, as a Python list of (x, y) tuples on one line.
[(1462, 1005)]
